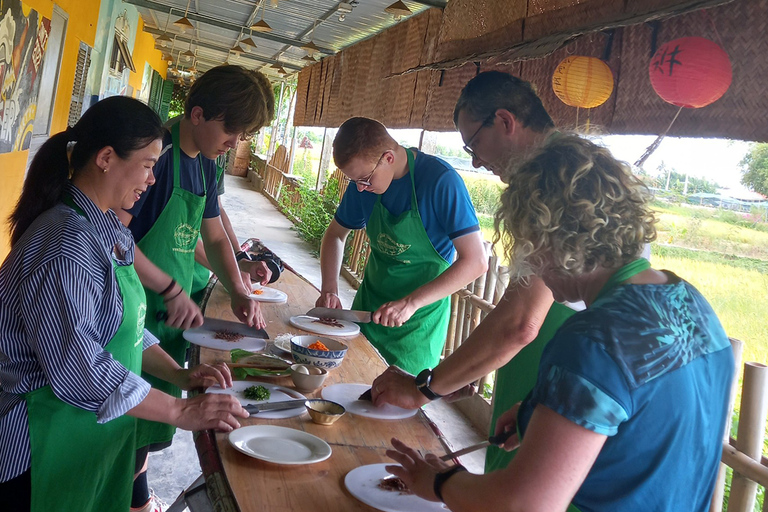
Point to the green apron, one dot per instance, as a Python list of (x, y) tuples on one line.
[(170, 244), (618, 277), (77, 463), (516, 379), (403, 259), (202, 275)]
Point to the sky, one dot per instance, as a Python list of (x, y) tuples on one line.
[(716, 160)]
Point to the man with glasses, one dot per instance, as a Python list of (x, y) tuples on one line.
[(418, 215), (223, 106), (501, 120)]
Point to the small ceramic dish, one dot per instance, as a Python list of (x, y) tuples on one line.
[(308, 378), (328, 359), (324, 412)]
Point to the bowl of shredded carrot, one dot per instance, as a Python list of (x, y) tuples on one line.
[(318, 351)]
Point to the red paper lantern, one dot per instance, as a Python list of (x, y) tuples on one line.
[(690, 72)]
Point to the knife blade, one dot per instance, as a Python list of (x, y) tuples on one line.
[(496, 440), (274, 406), (361, 317)]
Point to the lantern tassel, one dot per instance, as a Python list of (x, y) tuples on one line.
[(650, 149)]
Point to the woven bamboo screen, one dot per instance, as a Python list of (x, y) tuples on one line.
[(358, 81), (366, 80)]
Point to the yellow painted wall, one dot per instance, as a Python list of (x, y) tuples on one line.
[(144, 51), (82, 24)]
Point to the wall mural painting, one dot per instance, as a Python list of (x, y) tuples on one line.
[(23, 39)]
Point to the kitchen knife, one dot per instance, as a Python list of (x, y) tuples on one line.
[(274, 406), (497, 440), (361, 317)]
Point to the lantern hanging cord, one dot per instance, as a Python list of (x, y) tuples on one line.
[(649, 151)]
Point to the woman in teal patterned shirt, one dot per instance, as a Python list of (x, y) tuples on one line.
[(630, 404)]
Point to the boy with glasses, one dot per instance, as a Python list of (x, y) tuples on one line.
[(417, 213), (222, 106), (501, 120)]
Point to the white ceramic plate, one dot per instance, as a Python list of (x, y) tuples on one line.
[(363, 484), (308, 323), (279, 445), (347, 395), (276, 394), (268, 294), (205, 336)]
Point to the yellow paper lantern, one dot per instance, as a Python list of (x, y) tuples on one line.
[(584, 82)]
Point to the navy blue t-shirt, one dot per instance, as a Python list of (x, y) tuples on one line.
[(444, 204), (147, 209)]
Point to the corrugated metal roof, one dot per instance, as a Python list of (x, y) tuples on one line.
[(221, 24)]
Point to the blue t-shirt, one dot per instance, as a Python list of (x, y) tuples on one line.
[(651, 367), (444, 204), (152, 202)]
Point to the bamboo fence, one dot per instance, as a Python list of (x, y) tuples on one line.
[(471, 304)]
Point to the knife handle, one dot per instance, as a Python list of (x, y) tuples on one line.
[(500, 439)]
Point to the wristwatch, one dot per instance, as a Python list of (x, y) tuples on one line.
[(423, 380)]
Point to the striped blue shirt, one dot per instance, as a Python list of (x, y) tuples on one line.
[(59, 307)]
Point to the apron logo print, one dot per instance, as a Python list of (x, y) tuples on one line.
[(141, 315), (389, 245), (185, 237)]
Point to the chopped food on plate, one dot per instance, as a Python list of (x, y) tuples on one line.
[(256, 393)]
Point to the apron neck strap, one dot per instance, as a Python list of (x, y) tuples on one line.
[(69, 201), (175, 138), (622, 274), (414, 203)]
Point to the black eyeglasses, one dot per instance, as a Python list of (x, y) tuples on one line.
[(484, 124)]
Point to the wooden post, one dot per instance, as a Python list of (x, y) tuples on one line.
[(325, 160), (749, 439), (717, 497), (276, 126)]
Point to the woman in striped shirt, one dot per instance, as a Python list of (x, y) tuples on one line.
[(72, 338)]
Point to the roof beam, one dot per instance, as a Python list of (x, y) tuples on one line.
[(210, 46), (440, 4), (151, 4)]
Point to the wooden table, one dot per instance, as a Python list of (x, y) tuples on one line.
[(238, 482)]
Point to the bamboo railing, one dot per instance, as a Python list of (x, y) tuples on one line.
[(471, 304)]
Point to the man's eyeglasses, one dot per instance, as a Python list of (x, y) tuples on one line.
[(366, 182), (486, 123)]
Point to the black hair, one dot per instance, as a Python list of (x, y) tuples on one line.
[(123, 123), (492, 90)]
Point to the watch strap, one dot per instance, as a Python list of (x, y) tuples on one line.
[(443, 477), (423, 380)]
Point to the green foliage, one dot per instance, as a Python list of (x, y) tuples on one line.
[(313, 211), (754, 168), (441, 150), (178, 96), (677, 182), (484, 192)]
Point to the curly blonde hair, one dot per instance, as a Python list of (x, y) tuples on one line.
[(571, 208)]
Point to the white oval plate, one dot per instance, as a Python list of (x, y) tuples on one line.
[(309, 324), (204, 336), (276, 394), (348, 394), (268, 294), (279, 445), (363, 484)]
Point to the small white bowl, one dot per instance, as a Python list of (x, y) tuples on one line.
[(310, 381), (328, 359)]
